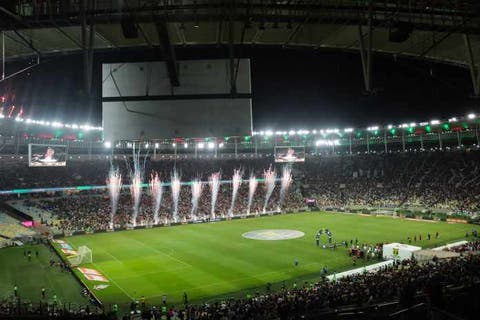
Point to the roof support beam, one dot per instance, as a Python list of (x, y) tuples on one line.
[(167, 50), (474, 69), (366, 53), (231, 48), (87, 43)]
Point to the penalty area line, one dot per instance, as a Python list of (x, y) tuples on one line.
[(161, 252), (114, 282)]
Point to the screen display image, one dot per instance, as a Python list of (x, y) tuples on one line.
[(47, 156), (289, 154)]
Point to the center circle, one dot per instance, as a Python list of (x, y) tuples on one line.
[(273, 234)]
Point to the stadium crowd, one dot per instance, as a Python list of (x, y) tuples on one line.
[(444, 181), (403, 281)]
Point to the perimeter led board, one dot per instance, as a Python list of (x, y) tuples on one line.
[(43, 155)]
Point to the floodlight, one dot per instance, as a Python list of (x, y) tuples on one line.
[(471, 116), (107, 144), (211, 145), (201, 145), (185, 145), (434, 122)]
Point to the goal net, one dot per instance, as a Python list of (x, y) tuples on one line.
[(84, 255)]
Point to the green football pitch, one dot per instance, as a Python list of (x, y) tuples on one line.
[(30, 276), (213, 259)]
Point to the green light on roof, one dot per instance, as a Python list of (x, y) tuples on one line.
[(246, 138), (410, 130), (226, 138), (445, 126), (428, 128), (393, 131), (359, 134), (465, 125), (375, 133)]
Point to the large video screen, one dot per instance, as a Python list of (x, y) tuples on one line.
[(138, 101), (42, 155), (289, 154)]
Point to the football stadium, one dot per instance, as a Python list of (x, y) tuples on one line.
[(239, 159)]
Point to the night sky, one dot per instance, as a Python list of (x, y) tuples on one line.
[(292, 88)]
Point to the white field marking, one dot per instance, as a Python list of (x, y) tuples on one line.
[(113, 281), (161, 252), (111, 255), (136, 275), (255, 276)]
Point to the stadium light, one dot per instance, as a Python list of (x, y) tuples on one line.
[(157, 145), (269, 132), (220, 145), (291, 132), (348, 130), (434, 122), (201, 145), (185, 145), (413, 124), (423, 124), (211, 145), (326, 142), (471, 116), (147, 145), (373, 128), (174, 144), (452, 119), (107, 144)]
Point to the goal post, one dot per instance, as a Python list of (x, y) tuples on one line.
[(84, 255)]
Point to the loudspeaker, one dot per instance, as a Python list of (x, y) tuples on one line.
[(400, 32), (128, 27)]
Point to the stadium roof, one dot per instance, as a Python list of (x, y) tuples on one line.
[(443, 30)]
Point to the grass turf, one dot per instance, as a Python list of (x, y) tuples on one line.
[(31, 276), (213, 259)]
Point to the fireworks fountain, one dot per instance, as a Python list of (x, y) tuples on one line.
[(156, 193), (285, 184), (136, 180), (175, 186), (252, 186), (269, 176), (236, 182), (114, 182), (196, 194), (214, 183)]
